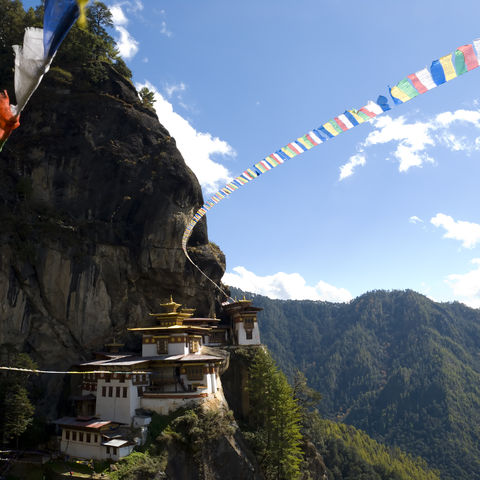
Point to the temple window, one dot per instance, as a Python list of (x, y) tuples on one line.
[(104, 391), (96, 438), (88, 437), (110, 391), (114, 450), (195, 373), (67, 434), (122, 378), (248, 322), (194, 346), (117, 393), (162, 345), (80, 437), (74, 436), (125, 390), (107, 378), (249, 334), (108, 449)]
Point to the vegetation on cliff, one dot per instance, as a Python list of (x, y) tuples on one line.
[(401, 367), (274, 420), (16, 409)]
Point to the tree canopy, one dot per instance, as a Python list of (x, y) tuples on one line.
[(275, 418)]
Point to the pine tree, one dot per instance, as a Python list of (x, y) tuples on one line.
[(147, 97), (18, 412), (275, 417)]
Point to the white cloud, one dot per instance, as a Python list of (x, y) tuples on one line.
[(286, 286), (466, 286), (445, 119), (197, 148), (127, 45), (467, 232), (415, 219), (347, 169), (118, 17), (164, 30), (414, 139), (171, 89)]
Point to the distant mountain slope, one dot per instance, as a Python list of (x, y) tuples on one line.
[(350, 454), (401, 367)]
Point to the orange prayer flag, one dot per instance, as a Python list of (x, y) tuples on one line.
[(8, 121)]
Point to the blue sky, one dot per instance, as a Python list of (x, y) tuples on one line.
[(391, 204)]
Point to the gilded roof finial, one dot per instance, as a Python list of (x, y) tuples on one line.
[(171, 298)]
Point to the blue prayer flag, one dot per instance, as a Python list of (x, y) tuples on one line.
[(352, 119), (437, 72), (58, 18), (383, 103)]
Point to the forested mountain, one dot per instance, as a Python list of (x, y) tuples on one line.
[(397, 365)]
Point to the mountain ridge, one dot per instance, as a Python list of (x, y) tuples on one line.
[(395, 364)]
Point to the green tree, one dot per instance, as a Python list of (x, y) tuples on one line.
[(275, 418), (16, 410), (307, 398), (147, 97), (12, 23)]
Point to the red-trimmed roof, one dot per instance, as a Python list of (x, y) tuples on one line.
[(80, 422)]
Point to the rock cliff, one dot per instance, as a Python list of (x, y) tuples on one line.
[(94, 197)]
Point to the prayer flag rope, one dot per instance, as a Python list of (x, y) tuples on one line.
[(464, 59), (72, 372)]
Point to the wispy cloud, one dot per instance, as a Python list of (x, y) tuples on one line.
[(127, 45), (176, 88), (286, 286), (164, 29), (415, 219), (198, 148), (414, 139), (354, 161), (466, 232), (466, 286)]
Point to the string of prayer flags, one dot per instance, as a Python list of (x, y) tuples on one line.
[(465, 59), (70, 372)]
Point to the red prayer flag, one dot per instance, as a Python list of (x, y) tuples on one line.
[(8, 121)]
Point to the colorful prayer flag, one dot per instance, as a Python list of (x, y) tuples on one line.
[(58, 18), (447, 65)]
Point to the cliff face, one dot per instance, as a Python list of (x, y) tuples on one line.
[(94, 198)]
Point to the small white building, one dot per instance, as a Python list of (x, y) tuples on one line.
[(243, 320), (92, 438)]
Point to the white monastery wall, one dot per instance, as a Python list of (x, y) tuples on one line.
[(178, 348), (82, 449), (242, 334), (149, 350), (163, 406), (117, 408)]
